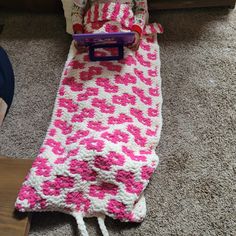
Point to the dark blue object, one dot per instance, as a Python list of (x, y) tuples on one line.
[(6, 79)]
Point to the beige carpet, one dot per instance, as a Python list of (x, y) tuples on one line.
[(193, 191)]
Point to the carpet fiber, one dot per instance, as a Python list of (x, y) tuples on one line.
[(193, 190)]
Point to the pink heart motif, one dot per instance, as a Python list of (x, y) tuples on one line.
[(62, 91), (124, 99), (139, 115), (150, 132), (89, 93), (42, 167), (96, 125), (152, 56), (105, 83), (63, 126), (145, 46), (100, 191), (141, 60), (77, 136), (153, 112), (53, 188), (111, 66), (56, 146), (52, 132), (77, 199), (150, 39), (59, 113), (146, 100), (73, 152), (126, 79), (85, 113), (154, 92), (74, 86), (122, 118), (136, 132), (144, 79), (119, 210), (104, 108), (93, 144), (68, 104), (147, 172), (106, 162), (127, 178), (129, 60), (152, 73), (116, 136), (29, 193), (82, 168), (89, 75), (76, 64), (132, 156)]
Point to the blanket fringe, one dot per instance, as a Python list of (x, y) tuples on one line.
[(101, 222), (82, 227), (81, 224)]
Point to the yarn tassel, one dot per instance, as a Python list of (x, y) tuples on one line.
[(101, 222), (81, 224)]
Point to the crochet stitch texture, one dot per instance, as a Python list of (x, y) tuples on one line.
[(99, 151)]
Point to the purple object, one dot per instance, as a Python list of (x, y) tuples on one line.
[(105, 40), (125, 38)]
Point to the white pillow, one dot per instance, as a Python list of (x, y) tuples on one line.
[(67, 6)]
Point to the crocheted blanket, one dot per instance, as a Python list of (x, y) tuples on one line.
[(99, 151)]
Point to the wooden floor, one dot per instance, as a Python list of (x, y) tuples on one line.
[(12, 174)]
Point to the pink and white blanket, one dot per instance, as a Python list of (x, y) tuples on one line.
[(99, 151)]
